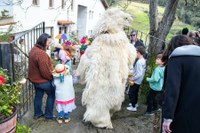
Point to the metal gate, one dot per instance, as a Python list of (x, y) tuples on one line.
[(14, 57)]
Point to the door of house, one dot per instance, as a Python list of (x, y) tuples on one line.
[(82, 20)]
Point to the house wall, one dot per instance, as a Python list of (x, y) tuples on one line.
[(95, 9), (29, 15)]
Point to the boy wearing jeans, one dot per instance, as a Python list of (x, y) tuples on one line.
[(138, 75), (156, 84)]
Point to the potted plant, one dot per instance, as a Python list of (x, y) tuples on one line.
[(9, 98), (6, 35)]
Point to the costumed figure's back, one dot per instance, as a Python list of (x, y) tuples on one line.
[(104, 68)]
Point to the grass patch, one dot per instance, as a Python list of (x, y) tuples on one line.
[(177, 27), (141, 19)]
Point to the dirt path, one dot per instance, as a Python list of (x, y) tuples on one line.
[(123, 121)]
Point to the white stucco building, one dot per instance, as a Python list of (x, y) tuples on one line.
[(60, 16)]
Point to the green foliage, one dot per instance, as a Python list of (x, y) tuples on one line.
[(111, 2), (195, 21), (74, 38), (188, 13), (9, 95), (151, 65), (144, 88), (4, 36), (3, 73), (22, 129), (181, 14), (161, 2), (141, 21)]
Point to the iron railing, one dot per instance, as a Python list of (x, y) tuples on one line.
[(20, 48)]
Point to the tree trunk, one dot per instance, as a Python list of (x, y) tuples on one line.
[(158, 31), (164, 25), (153, 13)]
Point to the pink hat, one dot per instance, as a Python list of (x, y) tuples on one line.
[(67, 43)]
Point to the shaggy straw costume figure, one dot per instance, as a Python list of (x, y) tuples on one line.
[(104, 68)]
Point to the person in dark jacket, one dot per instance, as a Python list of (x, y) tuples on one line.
[(182, 94), (185, 31), (134, 39), (40, 74), (136, 42)]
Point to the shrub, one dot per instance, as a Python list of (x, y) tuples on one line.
[(9, 94)]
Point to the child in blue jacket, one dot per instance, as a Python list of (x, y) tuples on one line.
[(156, 83)]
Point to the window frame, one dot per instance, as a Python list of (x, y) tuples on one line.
[(51, 3), (35, 2), (63, 4)]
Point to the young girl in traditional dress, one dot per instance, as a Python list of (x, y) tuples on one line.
[(65, 96)]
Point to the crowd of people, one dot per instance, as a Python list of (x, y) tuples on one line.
[(194, 35), (175, 79), (56, 82), (175, 76)]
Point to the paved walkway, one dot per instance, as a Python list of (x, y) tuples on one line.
[(123, 121)]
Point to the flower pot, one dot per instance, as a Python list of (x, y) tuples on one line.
[(8, 125)]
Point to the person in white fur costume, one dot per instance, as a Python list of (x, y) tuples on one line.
[(104, 68)]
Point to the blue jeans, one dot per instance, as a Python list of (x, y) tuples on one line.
[(40, 88)]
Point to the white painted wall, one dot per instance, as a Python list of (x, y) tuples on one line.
[(29, 15), (96, 7), (97, 10)]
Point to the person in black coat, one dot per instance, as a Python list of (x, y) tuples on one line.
[(182, 94)]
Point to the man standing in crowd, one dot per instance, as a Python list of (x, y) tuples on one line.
[(134, 40)]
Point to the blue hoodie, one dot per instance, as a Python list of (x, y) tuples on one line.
[(157, 78)]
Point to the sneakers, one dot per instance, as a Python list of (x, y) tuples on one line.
[(136, 105), (131, 108), (67, 120), (66, 117), (59, 120), (156, 110), (148, 113)]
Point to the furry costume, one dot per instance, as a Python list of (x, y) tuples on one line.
[(104, 68)]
